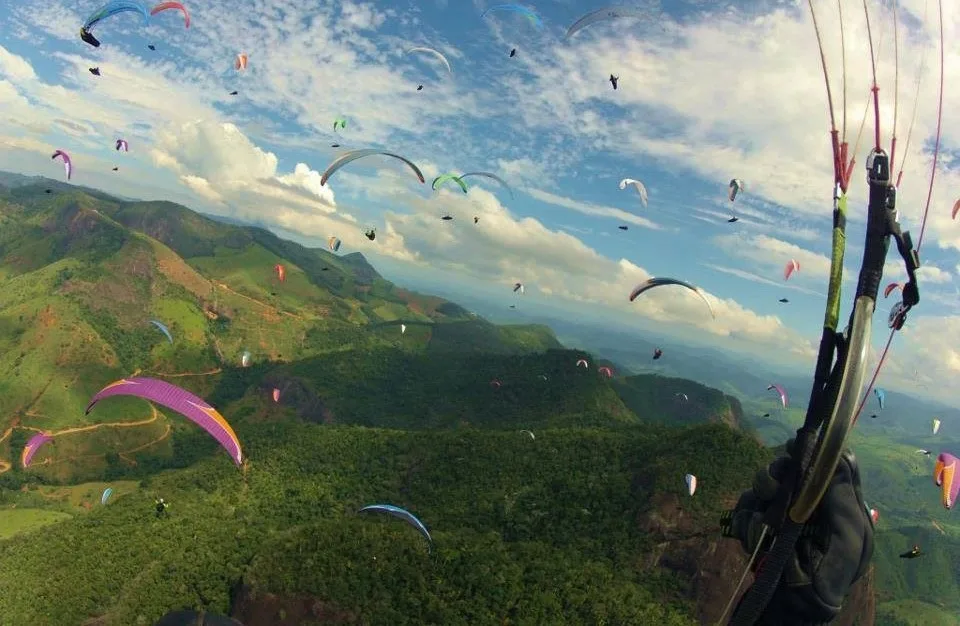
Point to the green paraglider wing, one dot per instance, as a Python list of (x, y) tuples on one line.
[(439, 180)]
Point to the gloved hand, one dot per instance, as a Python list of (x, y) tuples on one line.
[(828, 560)]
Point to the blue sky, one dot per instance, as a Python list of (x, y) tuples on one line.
[(705, 95)]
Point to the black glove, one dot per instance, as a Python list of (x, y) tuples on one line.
[(832, 553)]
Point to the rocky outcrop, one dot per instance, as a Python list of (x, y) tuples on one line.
[(693, 548)]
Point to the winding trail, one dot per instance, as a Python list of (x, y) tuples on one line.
[(226, 287), (181, 375), (155, 415)]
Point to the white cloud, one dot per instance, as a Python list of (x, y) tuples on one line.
[(773, 254), (588, 208), (546, 119), (759, 279), (15, 67)]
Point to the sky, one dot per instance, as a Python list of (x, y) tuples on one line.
[(707, 92)]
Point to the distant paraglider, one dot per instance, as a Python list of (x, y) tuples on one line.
[(691, 481), (657, 354), (333, 243), (641, 190), (122, 145), (660, 282), (781, 392), (240, 62), (94, 70), (163, 328), (436, 54), (881, 396), (583, 363), (246, 358), (532, 436), (936, 426), (606, 371), (67, 162), (614, 81), (912, 553), (353, 155), (439, 180), (281, 272), (792, 266), (178, 6), (403, 514), (607, 13), (33, 444), (106, 495)]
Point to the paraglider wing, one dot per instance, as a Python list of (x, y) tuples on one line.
[(792, 266), (112, 8), (333, 243), (518, 287), (122, 145), (889, 288), (339, 123), (936, 426), (945, 477), (736, 186), (532, 436), (780, 390), (179, 400), (659, 282), (640, 188), (527, 12), (691, 481), (32, 446), (403, 514), (439, 180), (600, 15), (881, 396), (956, 208), (106, 495), (606, 371), (166, 6), (281, 272), (245, 359), (67, 163), (434, 53), (240, 62), (491, 176), (583, 362), (162, 327), (403, 328), (276, 395), (353, 155)]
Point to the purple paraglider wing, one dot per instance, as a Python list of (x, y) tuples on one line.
[(181, 401), (780, 390), (32, 446)]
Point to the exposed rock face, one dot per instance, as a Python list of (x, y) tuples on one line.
[(259, 609), (694, 549)]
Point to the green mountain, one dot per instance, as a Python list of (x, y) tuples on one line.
[(583, 519)]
